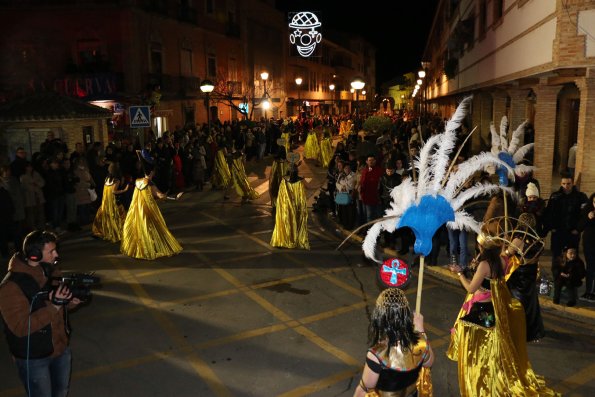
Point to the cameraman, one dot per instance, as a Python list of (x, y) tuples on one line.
[(35, 323)]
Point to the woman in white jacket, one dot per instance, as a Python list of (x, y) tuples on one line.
[(346, 184)]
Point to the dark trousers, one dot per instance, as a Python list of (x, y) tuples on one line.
[(47, 377), (572, 290)]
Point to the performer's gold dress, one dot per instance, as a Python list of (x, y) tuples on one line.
[(312, 147), (278, 171), (287, 137), (109, 218), (240, 180), (221, 173), (145, 234), (493, 361), (326, 151), (291, 218)]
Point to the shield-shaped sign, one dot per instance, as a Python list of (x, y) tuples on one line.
[(293, 157), (394, 272)]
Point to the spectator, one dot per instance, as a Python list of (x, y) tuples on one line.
[(17, 167), (369, 189), (34, 199), (562, 215), (587, 226), (569, 274), (533, 204), (572, 159)]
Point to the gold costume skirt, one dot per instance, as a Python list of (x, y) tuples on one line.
[(109, 218), (278, 171), (287, 137), (291, 218), (326, 152), (312, 147), (240, 180), (493, 361), (145, 234), (221, 174)]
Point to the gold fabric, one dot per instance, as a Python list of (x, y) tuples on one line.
[(278, 171), (326, 152), (109, 218), (145, 234), (240, 181), (312, 147), (287, 137), (493, 361), (221, 174), (291, 218), (513, 263)]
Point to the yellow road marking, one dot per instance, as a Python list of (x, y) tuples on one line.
[(321, 384)]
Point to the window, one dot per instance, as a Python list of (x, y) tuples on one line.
[(156, 59), (89, 55), (483, 17), (186, 62), (232, 70), (211, 66), (498, 10)]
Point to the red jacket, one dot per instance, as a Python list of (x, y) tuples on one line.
[(370, 183)]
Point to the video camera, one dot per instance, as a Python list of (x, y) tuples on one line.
[(79, 285)]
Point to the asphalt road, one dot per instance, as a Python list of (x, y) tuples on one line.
[(232, 316)]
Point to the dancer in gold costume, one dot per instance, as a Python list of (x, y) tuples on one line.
[(221, 173), (312, 147), (291, 218), (399, 358), (145, 234), (326, 150), (109, 218), (488, 338), (279, 169), (240, 180)]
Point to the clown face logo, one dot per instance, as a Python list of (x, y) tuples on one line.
[(304, 34)]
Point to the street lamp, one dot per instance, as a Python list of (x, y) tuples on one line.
[(298, 81), (207, 87), (357, 84), (332, 88), (264, 75)]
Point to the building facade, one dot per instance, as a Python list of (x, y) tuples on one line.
[(120, 53), (526, 59)]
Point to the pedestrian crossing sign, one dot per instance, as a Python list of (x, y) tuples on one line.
[(140, 116)]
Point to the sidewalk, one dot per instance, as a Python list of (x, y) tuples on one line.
[(583, 312)]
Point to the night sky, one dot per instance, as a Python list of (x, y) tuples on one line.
[(397, 28)]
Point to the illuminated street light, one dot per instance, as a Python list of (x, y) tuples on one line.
[(421, 74), (298, 81), (357, 84), (207, 87), (332, 88), (264, 75)]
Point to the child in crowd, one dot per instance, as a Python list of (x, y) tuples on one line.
[(569, 274)]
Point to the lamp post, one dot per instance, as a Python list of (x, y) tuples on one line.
[(298, 81), (207, 87), (264, 75), (357, 84), (332, 88), (422, 74)]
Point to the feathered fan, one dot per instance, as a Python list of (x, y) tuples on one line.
[(510, 153), (437, 197)]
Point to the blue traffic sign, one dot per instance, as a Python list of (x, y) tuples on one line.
[(140, 116)]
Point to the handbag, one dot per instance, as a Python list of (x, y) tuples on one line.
[(343, 198), (92, 194)]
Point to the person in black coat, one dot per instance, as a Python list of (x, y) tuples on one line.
[(570, 275), (586, 225)]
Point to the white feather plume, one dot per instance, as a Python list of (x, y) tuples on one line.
[(369, 244), (476, 190), (468, 168), (522, 169), (423, 164), (517, 137), (519, 155), (495, 139), (459, 115), (503, 135), (464, 221), (403, 196)]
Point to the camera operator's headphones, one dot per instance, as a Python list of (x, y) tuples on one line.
[(34, 243)]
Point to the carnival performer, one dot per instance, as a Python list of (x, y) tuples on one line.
[(326, 150), (291, 218), (145, 234), (279, 169), (399, 356), (521, 273), (312, 147), (488, 338), (240, 180), (221, 175), (110, 216)]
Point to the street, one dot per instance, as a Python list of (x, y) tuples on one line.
[(232, 316)]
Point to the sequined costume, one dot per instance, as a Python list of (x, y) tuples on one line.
[(291, 218), (109, 219), (145, 234), (401, 372), (240, 180), (221, 173), (312, 147), (287, 137), (278, 171), (326, 151), (493, 361)]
